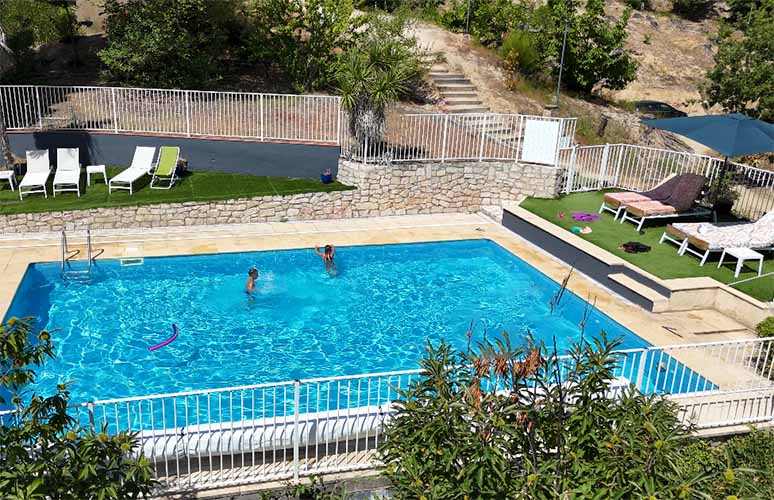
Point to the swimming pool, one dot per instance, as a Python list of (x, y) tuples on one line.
[(374, 316)]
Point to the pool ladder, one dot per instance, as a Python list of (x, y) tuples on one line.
[(69, 255)]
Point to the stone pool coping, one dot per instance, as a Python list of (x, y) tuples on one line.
[(18, 251)]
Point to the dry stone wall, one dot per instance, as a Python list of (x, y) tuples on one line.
[(380, 190)]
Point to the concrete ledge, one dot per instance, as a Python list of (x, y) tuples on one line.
[(643, 289)]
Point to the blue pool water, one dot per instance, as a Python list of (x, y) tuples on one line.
[(375, 315)]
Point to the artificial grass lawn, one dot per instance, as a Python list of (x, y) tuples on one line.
[(662, 260), (194, 186)]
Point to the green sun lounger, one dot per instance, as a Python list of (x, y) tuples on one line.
[(165, 173)]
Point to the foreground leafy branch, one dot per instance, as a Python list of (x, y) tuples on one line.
[(44, 454), (521, 422)]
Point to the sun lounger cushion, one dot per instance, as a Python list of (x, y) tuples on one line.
[(759, 234), (650, 209), (662, 191), (623, 198)]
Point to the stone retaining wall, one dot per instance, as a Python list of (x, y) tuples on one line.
[(381, 190)]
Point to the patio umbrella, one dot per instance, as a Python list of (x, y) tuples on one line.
[(730, 135)]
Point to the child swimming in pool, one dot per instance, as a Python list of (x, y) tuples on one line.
[(252, 275), (329, 251)]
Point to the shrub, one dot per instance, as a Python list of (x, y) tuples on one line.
[(166, 43), (638, 4), (490, 20), (499, 421), (693, 10), (44, 452), (766, 327), (519, 53), (302, 38)]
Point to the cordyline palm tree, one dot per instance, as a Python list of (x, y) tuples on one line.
[(369, 79)]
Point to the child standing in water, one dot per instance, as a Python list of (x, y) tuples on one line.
[(329, 251), (252, 275)]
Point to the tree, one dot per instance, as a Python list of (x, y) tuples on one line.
[(385, 66), (302, 38), (45, 455), (30, 23), (742, 80), (595, 56), (167, 43)]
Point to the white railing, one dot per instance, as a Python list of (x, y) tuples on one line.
[(188, 113), (279, 117), (638, 168), (278, 431), (442, 137)]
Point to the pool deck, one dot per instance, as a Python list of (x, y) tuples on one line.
[(18, 251)]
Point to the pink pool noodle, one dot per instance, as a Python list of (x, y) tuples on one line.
[(166, 342)]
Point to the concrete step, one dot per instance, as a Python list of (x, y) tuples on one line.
[(435, 70), (658, 302), (450, 80), (456, 87), (460, 94), (455, 101), (706, 322), (478, 109), (447, 76)]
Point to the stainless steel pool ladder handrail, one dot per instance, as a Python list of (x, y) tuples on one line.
[(68, 254)]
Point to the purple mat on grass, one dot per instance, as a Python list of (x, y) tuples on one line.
[(584, 217)]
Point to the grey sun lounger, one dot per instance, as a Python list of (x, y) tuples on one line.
[(680, 203)]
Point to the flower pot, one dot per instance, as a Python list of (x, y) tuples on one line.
[(326, 178)]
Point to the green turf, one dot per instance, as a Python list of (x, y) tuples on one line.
[(662, 260), (194, 186)]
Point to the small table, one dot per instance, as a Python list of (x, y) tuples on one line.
[(742, 254), (95, 169), (8, 175)]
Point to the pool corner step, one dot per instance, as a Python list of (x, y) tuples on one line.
[(658, 302)]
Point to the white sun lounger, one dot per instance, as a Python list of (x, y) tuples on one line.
[(38, 171), (707, 238), (68, 171), (142, 164)]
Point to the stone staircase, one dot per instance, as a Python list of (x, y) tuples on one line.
[(462, 100), (457, 90)]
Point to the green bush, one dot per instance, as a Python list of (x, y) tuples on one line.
[(490, 20), (167, 43), (519, 53), (638, 4), (693, 10), (500, 421), (45, 454), (766, 327)]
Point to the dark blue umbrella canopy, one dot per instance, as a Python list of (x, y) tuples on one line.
[(730, 135)]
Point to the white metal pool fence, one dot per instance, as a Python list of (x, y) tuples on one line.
[(638, 168), (282, 117), (442, 137), (277, 431), (187, 113)]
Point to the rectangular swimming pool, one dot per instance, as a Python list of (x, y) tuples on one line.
[(374, 316)]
